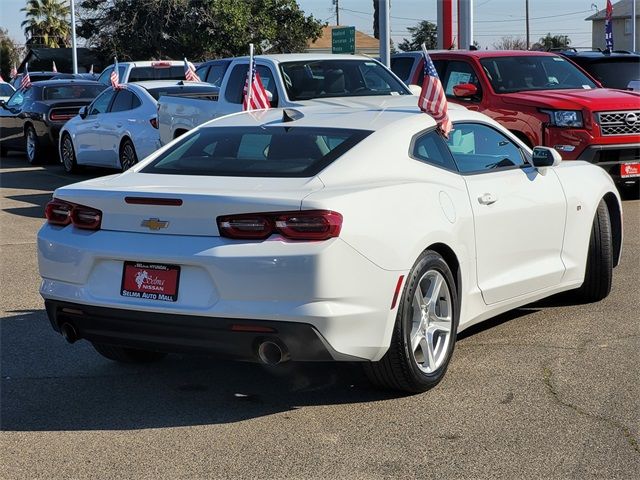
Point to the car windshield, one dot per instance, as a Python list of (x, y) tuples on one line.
[(160, 72), (615, 74), (6, 90), (256, 151), (192, 91), (64, 92), (534, 72), (310, 79)]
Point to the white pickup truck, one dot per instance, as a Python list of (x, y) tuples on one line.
[(292, 80)]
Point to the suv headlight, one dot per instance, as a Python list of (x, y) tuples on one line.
[(565, 118)]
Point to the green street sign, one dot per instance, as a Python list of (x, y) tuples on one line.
[(343, 40)]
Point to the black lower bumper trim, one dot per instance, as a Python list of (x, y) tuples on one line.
[(189, 333)]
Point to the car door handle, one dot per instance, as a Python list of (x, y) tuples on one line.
[(487, 199), (118, 125), (96, 125)]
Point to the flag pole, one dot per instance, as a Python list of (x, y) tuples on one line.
[(74, 49), (250, 76)]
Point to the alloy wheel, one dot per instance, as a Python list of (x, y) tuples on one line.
[(31, 144), (128, 157), (68, 154)]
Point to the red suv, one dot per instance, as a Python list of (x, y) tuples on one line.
[(543, 99)]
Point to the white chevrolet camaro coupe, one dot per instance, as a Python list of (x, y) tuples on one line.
[(329, 234)]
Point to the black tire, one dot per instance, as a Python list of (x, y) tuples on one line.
[(127, 355), (599, 270), (68, 154), (128, 156), (32, 145), (398, 369)]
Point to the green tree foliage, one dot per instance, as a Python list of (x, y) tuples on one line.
[(425, 32), (197, 29), (9, 54), (46, 23), (511, 43), (553, 41)]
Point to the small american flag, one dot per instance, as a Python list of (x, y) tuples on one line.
[(14, 71), (608, 26), (115, 76), (255, 95), (190, 71), (25, 82), (53, 68), (432, 99)]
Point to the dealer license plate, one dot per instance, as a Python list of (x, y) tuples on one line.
[(151, 281), (628, 170)]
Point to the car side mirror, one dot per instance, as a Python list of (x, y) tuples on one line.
[(465, 90), (3, 104), (83, 112), (545, 157), (415, 89)]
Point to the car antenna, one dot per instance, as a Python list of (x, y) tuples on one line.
[(291, 115)]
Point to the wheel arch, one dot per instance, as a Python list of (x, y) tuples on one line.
[(615, 216), (452, 260)]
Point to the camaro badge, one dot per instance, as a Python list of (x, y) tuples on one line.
[(154, 223)]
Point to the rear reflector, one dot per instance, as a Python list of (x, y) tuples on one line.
[(154, 122), (153, 201), (397, 292), (251, 328), (299, 225)]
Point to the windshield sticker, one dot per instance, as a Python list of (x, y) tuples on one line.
[(394, 93), (558, 59), (371, 64), (586, 87)]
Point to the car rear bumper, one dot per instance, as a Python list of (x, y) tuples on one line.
[(234, 338), (326, 285)]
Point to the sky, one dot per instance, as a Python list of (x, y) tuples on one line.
[(493, 19)]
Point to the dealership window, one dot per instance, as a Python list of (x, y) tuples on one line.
[(627, 26)]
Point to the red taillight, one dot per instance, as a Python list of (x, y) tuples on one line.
[(59, 212), (61, 117), (154, 122), (301, 225)]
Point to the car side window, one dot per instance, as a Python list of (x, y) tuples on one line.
[(16, 100), (123, 101), (101, 104), (440, 67), (402, 66), (104, 76), (479, 148), (235, 85), (430, 148), (457, 73), (215, 75)]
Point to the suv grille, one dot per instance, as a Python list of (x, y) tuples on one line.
[(620, 123)]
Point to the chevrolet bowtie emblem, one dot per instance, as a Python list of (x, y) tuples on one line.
[(154, 224)]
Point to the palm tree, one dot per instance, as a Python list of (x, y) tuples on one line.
[(46, 23)]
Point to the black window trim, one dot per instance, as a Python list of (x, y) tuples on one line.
[(422, 134)]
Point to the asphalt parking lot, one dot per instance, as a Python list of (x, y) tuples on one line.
[(548, 391)]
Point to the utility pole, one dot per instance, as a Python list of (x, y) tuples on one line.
[(526, 3), (337, 4), (385, 33), (633, 26), (465, 24), (74, 49)]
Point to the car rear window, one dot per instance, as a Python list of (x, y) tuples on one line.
[(311, 79), (256, 151), (67, 92), (402, 67), (6, 90), (192, 91), (139, 74)]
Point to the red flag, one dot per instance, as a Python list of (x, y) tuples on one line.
[(255, 95), (115, 76), (25, 82), (432, 98), (190, 71)]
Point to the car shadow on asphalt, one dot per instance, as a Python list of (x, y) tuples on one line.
[(48, 385)]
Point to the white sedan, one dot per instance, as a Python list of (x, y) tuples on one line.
[(329, 234), (121, 126)]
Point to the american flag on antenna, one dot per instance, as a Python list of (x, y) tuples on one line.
[(115, 76), (14, 71), (190, 71), (53, 68), (432, 98), (608, 26), (255, 95), (25, 82)]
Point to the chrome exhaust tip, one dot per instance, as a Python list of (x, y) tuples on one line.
[(272, 353)]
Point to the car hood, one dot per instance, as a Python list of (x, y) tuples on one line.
[(595, 99)]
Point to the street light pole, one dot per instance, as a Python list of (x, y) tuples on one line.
[(385, 33), (74, 50), (526, 4)]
